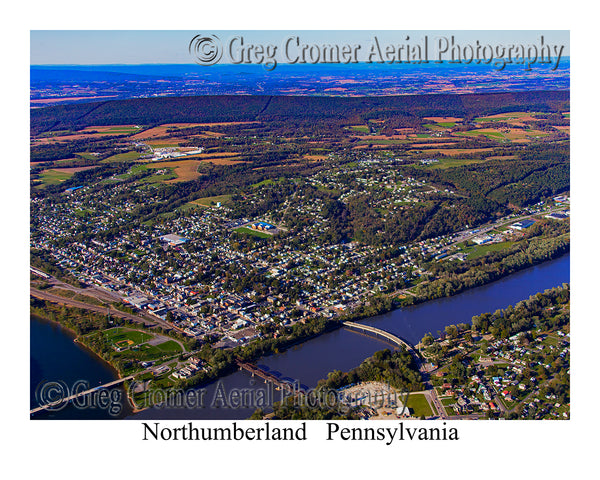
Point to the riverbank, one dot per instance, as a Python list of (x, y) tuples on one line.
[(325, 338)]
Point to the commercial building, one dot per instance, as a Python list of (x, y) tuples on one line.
[(522, 225)]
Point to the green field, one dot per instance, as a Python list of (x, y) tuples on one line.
[(268, 181), (87, 156), (249, 231), (476, 133), (54, 177), (438, 126), (418, 405), (481, 250), (160, 178), (123, 157), (169, 347), (83, 212), (360, 128), (384, 142), (452, 162), (124, 336), (123, 130), (133, 171), (211, 201)]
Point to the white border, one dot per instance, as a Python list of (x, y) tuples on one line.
[(69, 449)]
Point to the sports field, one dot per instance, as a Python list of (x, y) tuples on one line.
[(122, 337)]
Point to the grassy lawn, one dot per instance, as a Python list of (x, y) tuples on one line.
[(481, 250), (360, 128), (210, 201), (249, 231), (418, 405), (83, 213), (169, 347), (119, 334), (551, 340)]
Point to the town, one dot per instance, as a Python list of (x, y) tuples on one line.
[(210, 273)]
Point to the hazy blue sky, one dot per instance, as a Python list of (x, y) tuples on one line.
[(74, 47)]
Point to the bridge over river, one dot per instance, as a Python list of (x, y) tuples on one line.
[(388, 336), (60, 402), (382, 333), (267, 376)]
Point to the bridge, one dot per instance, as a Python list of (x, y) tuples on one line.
[(65, 400), (266, 376), (382, 333)]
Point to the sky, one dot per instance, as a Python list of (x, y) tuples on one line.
[(98, 47)]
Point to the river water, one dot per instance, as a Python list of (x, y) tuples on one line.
[(56, 356)]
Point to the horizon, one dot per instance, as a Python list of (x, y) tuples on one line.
[(106, 47)]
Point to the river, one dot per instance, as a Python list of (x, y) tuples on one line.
[(341, 349)]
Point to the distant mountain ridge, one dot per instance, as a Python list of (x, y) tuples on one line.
[(227, 108)]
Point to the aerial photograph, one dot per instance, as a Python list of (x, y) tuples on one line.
[(300, 225)]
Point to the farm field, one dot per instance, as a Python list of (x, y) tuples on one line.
[(388, 141), (88, 133), (511, 134), (315, 158), (53, 177), (434, 144), (444, 163), (458, 151), (509, 117), (162, 130), (360, 128), (442, 126), (442, 120), (122, 157), (184, 170)]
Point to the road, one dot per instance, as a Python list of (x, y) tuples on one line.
[(83, 394), (500, 223)]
